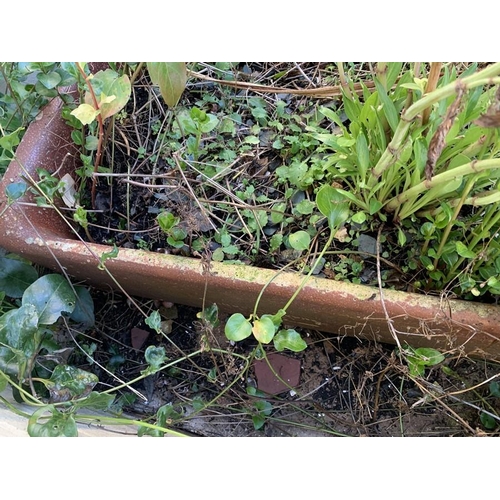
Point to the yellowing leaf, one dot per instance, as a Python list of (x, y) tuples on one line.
[(263, 329), (85, 113), (107, 84), (171, 78), (105, 99)]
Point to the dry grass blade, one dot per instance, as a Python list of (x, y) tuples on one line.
[(323, 92), (431, 85)]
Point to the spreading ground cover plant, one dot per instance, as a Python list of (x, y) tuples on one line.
[(276, 209), (35, 314), (24, 89), (236, 174)]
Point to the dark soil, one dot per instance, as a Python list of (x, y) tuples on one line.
[(347, 387)]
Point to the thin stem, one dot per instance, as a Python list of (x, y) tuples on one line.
[(125, 421), (136, 73), (101, 132), (440, 179), (447, 230), (313, 266)]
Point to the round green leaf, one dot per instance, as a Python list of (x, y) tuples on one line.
[(91, 143), (218, 255), (305, 207), (333, 205), (49, 80), (263, 329), (276, 318), (495, 389), (209, 123), (289, 339), (359, 217), (51, 295), (238, 327), (488, 421), (15, 190), (299, 240), (427, 229)]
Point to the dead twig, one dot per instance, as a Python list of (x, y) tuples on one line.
[(321, 93)]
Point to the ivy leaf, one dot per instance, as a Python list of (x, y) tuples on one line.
[(171, 78), (10, 141), (49, 80), (155, 357), (51, 295), (97, 401), (84, 309), (15, 276), (154, 321), (18, 330), (15, 190), (59, 424), (69, 382)]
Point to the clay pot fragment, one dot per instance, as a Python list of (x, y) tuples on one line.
[(288, 370)]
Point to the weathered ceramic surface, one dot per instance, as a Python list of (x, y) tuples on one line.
[(42, 236)]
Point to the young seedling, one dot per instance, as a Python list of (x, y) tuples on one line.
[(266, 328)]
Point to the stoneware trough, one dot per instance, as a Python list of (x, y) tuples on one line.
[(43, 237)]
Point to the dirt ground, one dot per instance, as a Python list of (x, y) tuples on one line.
[(347, 386)]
